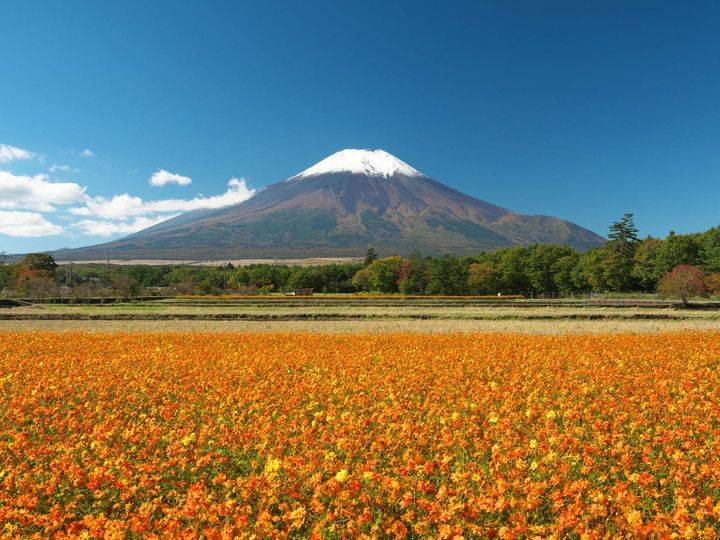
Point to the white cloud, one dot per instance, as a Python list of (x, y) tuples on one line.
[(11, 153), (163, 177), (27, 224), (56, 168), (37, 192), (120, 214), (109, 228), (122, 207), (23, 199)]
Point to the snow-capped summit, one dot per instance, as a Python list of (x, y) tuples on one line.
[(367, 162)]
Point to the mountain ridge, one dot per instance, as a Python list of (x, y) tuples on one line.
[(338, 207)]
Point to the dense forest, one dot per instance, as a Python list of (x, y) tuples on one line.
[(625, 263)]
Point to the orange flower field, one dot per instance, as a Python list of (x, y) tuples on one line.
[(277, 435)]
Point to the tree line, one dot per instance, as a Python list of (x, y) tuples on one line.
[(624, 264)]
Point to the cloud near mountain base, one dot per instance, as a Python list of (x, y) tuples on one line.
[(37, 192), (24, 199), (104, 228), (121, 207), (27, 225)]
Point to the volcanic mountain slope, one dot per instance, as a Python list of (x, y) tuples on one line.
[(338, 207)]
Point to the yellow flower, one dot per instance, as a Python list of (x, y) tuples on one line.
[(272, 465), (187, 439), (342, 475), (634, 517)]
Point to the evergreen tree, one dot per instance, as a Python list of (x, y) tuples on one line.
[(370, 256), (624, 230), (619, 256)]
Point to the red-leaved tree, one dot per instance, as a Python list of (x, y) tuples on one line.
[(684, 282)]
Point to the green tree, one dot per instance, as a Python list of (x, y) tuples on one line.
[(446, 276), (613, 263), (370, 256), (540, 269), (361, 280), (511, 267), (124, 285), (261, 276), (147, 275), (414, 275), (5, 272), (5, 277), (645, 267), (43, 262), (618, 270), (676, 250), (383, 275), (335, 277), (214, 280), (300, 278), (483, 278), (624, 230), (568, 275), (710, 249), (593, 266)]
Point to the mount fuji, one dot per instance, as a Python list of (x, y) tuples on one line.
[(338, 207)]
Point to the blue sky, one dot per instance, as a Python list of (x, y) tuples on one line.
[(582, 110)]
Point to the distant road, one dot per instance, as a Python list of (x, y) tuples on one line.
[(235, 262)]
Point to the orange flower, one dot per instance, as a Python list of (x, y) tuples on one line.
[(223, 435)]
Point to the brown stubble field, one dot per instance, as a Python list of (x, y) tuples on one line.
[(356, 315), (366, 326)]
